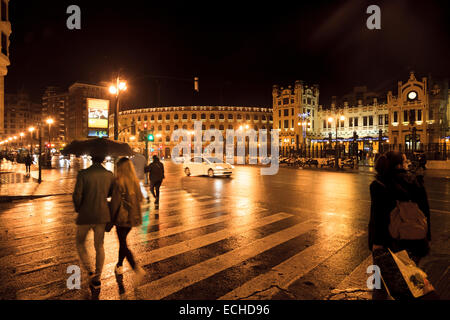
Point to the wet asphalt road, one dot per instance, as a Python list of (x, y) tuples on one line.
[(299, 234)]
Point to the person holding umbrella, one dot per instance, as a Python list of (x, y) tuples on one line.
[(94, 185)]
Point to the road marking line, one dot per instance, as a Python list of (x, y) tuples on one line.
[(177, 281), (176, 249), (291, 269)]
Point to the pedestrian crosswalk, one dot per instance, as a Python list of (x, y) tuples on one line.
[(194, 247)]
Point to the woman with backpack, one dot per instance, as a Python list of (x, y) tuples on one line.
[(397, 193), (126, 213)]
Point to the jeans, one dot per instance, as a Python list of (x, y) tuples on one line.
[(124, 252), (154, 188), (99, 234)]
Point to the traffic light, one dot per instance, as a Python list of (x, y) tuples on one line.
[(150, 137)]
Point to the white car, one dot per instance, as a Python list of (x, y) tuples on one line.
[(210, 166)]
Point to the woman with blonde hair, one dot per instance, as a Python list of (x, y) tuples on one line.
[(126, 212)]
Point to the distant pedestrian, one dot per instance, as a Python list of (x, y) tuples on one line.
[(139, 162), (126, 212), (393, 188), (156, 172), (28, 162), (94, 185)]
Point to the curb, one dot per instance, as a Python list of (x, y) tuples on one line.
[(4, 199)]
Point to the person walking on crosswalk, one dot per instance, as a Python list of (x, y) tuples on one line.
[(156, 172), (126, 212), (94, 185)]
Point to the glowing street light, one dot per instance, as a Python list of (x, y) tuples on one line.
[(115, 89)]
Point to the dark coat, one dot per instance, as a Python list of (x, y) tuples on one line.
[(126, 208), (93, 186), (28, 160), (156, 171), (384, 193)]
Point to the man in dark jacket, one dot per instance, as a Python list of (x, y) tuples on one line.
[(28, 162), (94, 185), (156, 172)]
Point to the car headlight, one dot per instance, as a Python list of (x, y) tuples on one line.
[(219, 167), (232, 167)]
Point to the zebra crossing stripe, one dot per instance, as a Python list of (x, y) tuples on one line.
[(176, 281), (194, 225), (161, 253), (291, 269), (356, 280), (207, 239)]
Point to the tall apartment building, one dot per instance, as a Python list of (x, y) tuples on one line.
[(5, 32), (20, 113), (76, 117), (54, 104), (295, 114)]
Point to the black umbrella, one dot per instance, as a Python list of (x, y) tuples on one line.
[(97, 147)]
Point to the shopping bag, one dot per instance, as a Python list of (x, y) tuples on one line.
[(400, 275)]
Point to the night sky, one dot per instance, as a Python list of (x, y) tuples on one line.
[(238, 48)]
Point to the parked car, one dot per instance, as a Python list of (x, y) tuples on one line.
[(210, 166)]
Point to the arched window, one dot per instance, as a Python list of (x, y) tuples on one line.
[(270, 118), (221, 116), (145, 118), (159, 117), (194, 116), (203, 127), (264, 118), (175, 127), (167, 128), (212, 116), (230, 126), (185, 116), (175, 117), (221, 127), (159, 128), (203, 116), (184, 127), (255, 117), (167, 116), (167, 139), (247, 117), (230, 116), (239, 116), (212, 126)]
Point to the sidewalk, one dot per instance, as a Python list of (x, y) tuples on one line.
[(14, 183)]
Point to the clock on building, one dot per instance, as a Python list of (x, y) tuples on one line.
[(412, 95)]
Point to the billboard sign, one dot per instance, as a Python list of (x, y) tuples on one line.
[(97, 113)]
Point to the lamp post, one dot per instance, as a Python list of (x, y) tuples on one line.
[(21, 136), (115, 90), (31, 130), (49, 121), (330, 120)]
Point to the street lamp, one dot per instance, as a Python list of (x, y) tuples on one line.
[(49, 121), (31, 130), (330, 120), (115, 90)]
